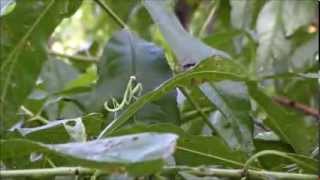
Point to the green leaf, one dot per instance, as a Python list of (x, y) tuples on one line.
[(232, 100), (223, 23), (115, 153), (304, 162), (223, 40), (6, 6), (273, 46), (205, 150), (127, 55), (290, 128), (25, 32), (212, 69), (186, 48), (301, 90), (302, 11), (195, 24), (278, 163), (82, 81), (272, 162), (57, 131), (56, 74), (140, 21)]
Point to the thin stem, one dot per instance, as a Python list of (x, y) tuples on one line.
[(197, 107), (190, 115), (75, 57), (278, 153), (198, 171), (112, 14), (33, 116), (51, 163), (231, 162), (209, 18)]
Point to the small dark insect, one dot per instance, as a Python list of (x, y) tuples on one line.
[(188, 65)]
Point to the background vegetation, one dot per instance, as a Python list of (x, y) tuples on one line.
[(159, 89)]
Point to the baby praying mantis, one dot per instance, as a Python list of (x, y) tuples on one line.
[(132, 92)]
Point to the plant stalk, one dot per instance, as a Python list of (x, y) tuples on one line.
[(209, 18), (112, 14), (198, 171)]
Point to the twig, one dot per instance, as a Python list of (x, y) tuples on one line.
[(75, 57), (298, 106), (199, 171)]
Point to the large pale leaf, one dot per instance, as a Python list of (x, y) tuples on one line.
[(287, 125), (232, 100), (274, 24), (127, 55), (188, 112), (194, 150), (241, 13), (273, 46), (302, 11), (24, 35), (122, 152), (225, 130), (304, 56), (186, 48)]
